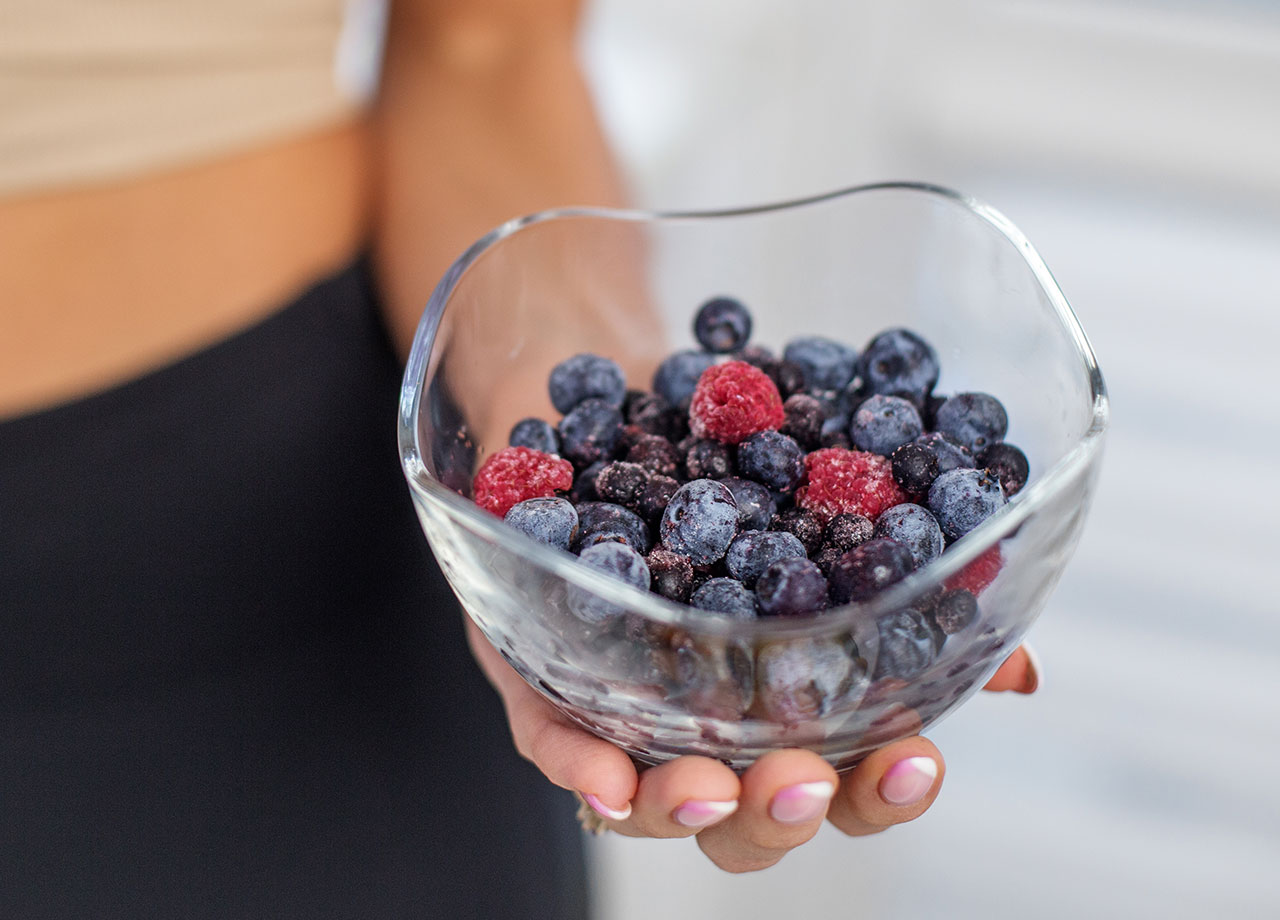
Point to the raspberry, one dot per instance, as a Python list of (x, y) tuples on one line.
[(733, 401), (848, 482), (978, 574), (515, 474)]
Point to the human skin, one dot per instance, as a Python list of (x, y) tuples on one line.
[(483, 115)]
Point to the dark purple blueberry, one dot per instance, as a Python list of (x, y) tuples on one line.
[(616, 560), (700, 521), (535, 433), (930, 413), (671, 574), (772, 459), (600, 522), (951, 454), (753, 551), (553, 521), (590, 432), (803, 524), (756, 506), (804, 417), (791, 587), (725, 595), (1009, 465), (827, 364), (955, 610), (862, 573), (909, 643), (584, 484), (586, 376), (789, 378), (848, 531), (898, 362), (707, 459), (837, 439), (882, 424), (976, 420), (721, 325), (622, 483), (915, 528), (915, 467), (963, 499), (655, 498), (804, 679), (678, 374), (656, 454), (757, 356), (651, 413)]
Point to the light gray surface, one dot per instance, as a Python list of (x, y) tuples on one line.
[(1142, 779)]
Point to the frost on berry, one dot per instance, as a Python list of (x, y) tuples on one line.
[(733, 401), (515, 474), (848, 482)]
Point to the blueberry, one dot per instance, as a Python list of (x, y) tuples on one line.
[(590, 432), (847, 531), (671, 574), (976, 420), (772, 459), (586, 376), (534, 433), (725, 595), (678, 374), (955, 610), (804, 524), (1009, 464), (827, 364), (862, 573), (791, 587), (655, 497), (700, 521), (622, 483), (711, 679), (600, 522), (915, 467), (950, 454), (553, 521), (882, 424), (804, 679), (963, 499), (656, 454), (908, 644), (788, 377), (753, 551), (707, 459), (617, 560), (805, 416), (756, 506), (898, 362), (721, 325), (915, 528), (584, 484)]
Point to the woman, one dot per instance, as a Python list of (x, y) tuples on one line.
[(234, 686)]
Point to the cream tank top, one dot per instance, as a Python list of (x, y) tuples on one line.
[(98, 90)]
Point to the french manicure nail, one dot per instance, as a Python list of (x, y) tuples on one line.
[(907, 781), (1033, 669), (605, 811), (802, 802), (700, 813)]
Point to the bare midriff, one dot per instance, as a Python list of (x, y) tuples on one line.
[(100, 285)]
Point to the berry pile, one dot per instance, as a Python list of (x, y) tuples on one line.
[(753, 485)]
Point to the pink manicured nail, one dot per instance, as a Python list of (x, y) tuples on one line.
[(907, 781), (699, 813), (605, 811), (802, 802)]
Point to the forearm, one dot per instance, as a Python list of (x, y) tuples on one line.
[(484, 115)]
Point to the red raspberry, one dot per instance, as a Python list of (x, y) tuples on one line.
[(978, 574), (733, 401), (514, 474), (848, 482)]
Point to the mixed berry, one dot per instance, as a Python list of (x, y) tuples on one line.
[(750, 485)]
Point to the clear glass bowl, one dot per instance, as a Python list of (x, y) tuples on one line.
[(667, 680)]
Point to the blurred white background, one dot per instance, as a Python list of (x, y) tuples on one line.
[(1137, 143)]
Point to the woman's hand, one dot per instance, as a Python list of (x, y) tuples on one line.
[(742, 823)]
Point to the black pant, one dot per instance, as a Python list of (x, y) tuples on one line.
[(232, 680)]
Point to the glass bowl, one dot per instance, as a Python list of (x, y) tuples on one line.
[(663, 680)]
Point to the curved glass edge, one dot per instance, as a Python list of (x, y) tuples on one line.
[(564, 565)]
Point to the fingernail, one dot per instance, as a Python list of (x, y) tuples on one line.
[(907, 781), (605, 811), (802, 802), (1033, 669), (699, 813)]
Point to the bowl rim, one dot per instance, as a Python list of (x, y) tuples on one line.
[(564, 565)]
